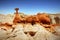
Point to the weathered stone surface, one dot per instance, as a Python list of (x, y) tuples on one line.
[(26, 31), (6, 19), (18, 33)]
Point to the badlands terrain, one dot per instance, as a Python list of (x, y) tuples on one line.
[(19, 26)]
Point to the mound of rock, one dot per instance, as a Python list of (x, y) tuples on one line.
[(27, 32)]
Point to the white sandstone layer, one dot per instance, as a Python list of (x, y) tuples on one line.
[(18, 33)]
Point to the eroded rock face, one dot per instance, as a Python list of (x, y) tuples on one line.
[(52, 19), (55, 19), (6, 19), (40, 18), (33, 32), (27, 31), (34, 27)]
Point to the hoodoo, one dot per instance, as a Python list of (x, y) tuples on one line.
[(17, 16)]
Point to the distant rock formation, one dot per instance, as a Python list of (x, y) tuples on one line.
[(55, 18)]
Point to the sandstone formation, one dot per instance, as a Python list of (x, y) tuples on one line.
[(33, 27)]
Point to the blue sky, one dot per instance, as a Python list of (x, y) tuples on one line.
[(29, 6)]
